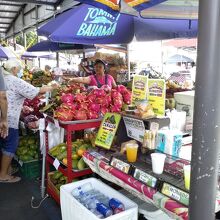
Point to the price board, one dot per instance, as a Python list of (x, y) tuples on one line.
[(120, 165)]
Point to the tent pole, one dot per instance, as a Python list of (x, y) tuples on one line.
[(206, 126), (128, 63), (57, 59)]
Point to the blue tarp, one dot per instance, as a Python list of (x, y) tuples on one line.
[(89, 25)]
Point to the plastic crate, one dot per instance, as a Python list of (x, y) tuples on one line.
[(31, 169), (72, 209)]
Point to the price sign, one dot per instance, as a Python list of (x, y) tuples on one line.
[(135, 128), (157, 95), (139, 88), (175, 193), (107, 130), (145, 178), (120, 165), (56, 122), (56, 163)]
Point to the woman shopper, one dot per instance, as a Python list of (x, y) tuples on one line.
[(17, 91), (3, 108), (98, 79)]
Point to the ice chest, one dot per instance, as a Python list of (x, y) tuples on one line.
[(185, 102), (73, 210)]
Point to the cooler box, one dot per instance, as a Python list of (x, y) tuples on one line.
[(185, 102), (73, 210)]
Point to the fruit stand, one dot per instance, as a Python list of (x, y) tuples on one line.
[(68, 171)]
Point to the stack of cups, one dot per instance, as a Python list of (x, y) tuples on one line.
[(158, 160)]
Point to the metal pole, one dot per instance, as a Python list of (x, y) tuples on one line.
[(206, 133), (128, 63), (57, 59)]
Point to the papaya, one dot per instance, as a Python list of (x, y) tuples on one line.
[(81, 164), (74, 164), (75, 156), (62, 155)]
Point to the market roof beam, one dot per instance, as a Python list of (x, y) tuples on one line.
[(3, 22), (10, 4), (32, 1), (6, 17), (8, 11), (14, 18)]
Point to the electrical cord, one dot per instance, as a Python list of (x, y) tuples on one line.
[(38, 206)]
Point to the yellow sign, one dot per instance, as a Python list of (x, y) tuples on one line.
[(139, 88), (107, 130), (157, 95)]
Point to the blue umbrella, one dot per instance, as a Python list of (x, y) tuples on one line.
[(89, 25), (5, 53), (31, 55), (54, 46)]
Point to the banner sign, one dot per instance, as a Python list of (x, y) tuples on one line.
[(107, 130), (157, 95), (139, 88)]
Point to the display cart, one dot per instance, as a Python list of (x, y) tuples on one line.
[(71, 174)]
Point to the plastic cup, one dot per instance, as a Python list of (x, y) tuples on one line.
[(158, 160), (131, 151), (187, 171)]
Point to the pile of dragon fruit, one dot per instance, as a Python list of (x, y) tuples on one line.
[(30, 111), (92, 105)]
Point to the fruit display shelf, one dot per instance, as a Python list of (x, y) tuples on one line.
[(68, 171)]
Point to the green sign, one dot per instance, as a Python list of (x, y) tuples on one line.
[(175, 193), (107, 130)]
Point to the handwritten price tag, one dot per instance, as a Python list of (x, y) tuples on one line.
[(56, 163), (56, 122)]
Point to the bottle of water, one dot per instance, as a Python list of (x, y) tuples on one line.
[(98, 214), (77, 192)]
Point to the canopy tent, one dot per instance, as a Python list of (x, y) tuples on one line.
[(6, 53), (181, 9), (181, 43), (32, 55), (54, 46), (115, 6), (177, 58), (91, 25)]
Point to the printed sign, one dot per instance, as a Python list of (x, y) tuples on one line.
[(98, 23), (120, 165), (175, 193), (107, 130), (56, 164), (139, 88), (135, 128), (157, 95), (145, 178)]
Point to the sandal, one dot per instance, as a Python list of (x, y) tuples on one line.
[(13, 179)]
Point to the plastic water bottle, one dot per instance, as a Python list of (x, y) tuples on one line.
[(77, 192), (98, 214)]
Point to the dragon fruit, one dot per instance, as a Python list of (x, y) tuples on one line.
[(99, 92), (106, 88), (63, 114), (83, 105), (91, 98), (115, 108), (118, 102), (116, 94), (94, 107), (92, 115), (122, 89), (104, 110), (80, 115), (127, 97), (80, 97), (67, 98)]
